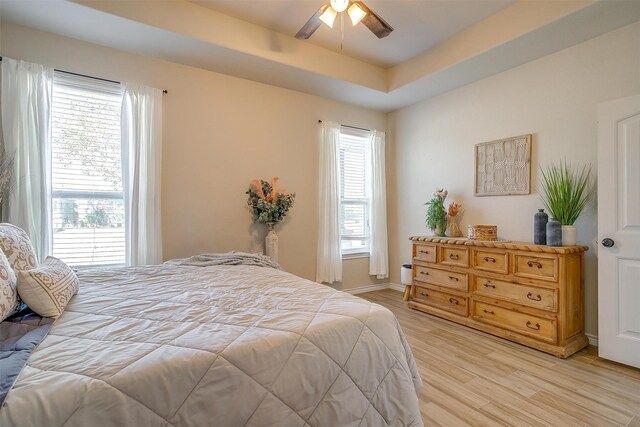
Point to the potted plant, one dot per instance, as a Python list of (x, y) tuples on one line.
[(565, 193), (436, 213)]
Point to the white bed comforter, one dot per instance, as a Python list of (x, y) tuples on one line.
[(216, 346)]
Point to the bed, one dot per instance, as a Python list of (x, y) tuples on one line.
[(216, 345)]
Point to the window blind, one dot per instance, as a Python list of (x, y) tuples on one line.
[(86, 172), (355, 158)]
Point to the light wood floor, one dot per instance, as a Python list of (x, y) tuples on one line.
[(472, 378)]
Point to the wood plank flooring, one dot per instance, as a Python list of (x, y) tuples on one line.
[(475, 379)]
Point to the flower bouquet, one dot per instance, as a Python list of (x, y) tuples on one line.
[(453, 230), (268, 204)]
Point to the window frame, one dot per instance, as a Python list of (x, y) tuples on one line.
[(80, 83), (363, 252)]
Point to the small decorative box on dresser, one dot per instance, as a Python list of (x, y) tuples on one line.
[(530, 294)]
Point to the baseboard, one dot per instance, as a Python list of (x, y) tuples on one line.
[(593, 339), (396, 287), (371, 288)]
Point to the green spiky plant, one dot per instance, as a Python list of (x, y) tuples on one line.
[(436, 214), (566, 191)]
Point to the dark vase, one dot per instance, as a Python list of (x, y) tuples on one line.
[(554, 233), (540, 220)]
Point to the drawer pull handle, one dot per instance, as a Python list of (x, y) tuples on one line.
[(537, 298), (424, 273), (536, 263), (454, 257), (487, 311), (535, 328), (424, 294), (454, 278), (454, 301), (489, 259), (488, 285), (424, 252)]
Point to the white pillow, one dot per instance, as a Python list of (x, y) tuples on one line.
[(48, 288), (9, 302)]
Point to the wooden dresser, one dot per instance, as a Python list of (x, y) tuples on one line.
[(530, 294)]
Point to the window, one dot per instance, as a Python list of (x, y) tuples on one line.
[(86, 172), (355, 178)]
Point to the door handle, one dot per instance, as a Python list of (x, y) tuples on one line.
[(608, 243)]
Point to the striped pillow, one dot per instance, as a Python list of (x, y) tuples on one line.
[(48, 288), (8, 296)]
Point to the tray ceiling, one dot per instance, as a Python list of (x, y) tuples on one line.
[(440, 53), (418, 24)]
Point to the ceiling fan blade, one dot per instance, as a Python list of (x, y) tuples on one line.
[(374, 22), (312, 24)]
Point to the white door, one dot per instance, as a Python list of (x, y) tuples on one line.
[(619, 230)]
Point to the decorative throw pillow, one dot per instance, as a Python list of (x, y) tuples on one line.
[(8, 295), (16, 245), (48, 288)]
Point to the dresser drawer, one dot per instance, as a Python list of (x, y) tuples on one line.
[(458, 257), (526, 324), (531, 296), (447, 279), (536, 267), (425, 253), (497, 262), (440, 300)]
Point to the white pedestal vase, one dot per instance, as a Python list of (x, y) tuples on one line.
[(569, 235), (271, 243)]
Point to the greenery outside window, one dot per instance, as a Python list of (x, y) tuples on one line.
[(355, 194), (88, 223)]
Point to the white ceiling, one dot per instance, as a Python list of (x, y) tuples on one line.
[(184, 32), (418, 24)]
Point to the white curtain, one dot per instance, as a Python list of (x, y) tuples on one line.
[(329, 261), (379, 257), (26, 131), (141, 163)]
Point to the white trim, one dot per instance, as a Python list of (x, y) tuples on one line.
[(593, 339), (366, 288), (396, 287), (370, 288)]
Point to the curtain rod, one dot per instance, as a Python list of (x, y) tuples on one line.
[(90, 77), (352, 127)]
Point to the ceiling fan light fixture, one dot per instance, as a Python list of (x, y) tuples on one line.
[(339, 5), (356, 13), (329, 16)]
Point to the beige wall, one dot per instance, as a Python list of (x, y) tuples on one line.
[(554, 98), (220, 132)]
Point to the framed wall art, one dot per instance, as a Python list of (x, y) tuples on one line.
[(503, 167)]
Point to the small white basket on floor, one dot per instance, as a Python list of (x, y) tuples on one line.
[(406, 280)]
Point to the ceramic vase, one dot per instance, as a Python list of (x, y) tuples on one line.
[(540, 220), (569, 235), (453, 230), (554, 233), (271, 242)]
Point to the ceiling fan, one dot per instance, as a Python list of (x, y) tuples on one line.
[(357, 11)]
